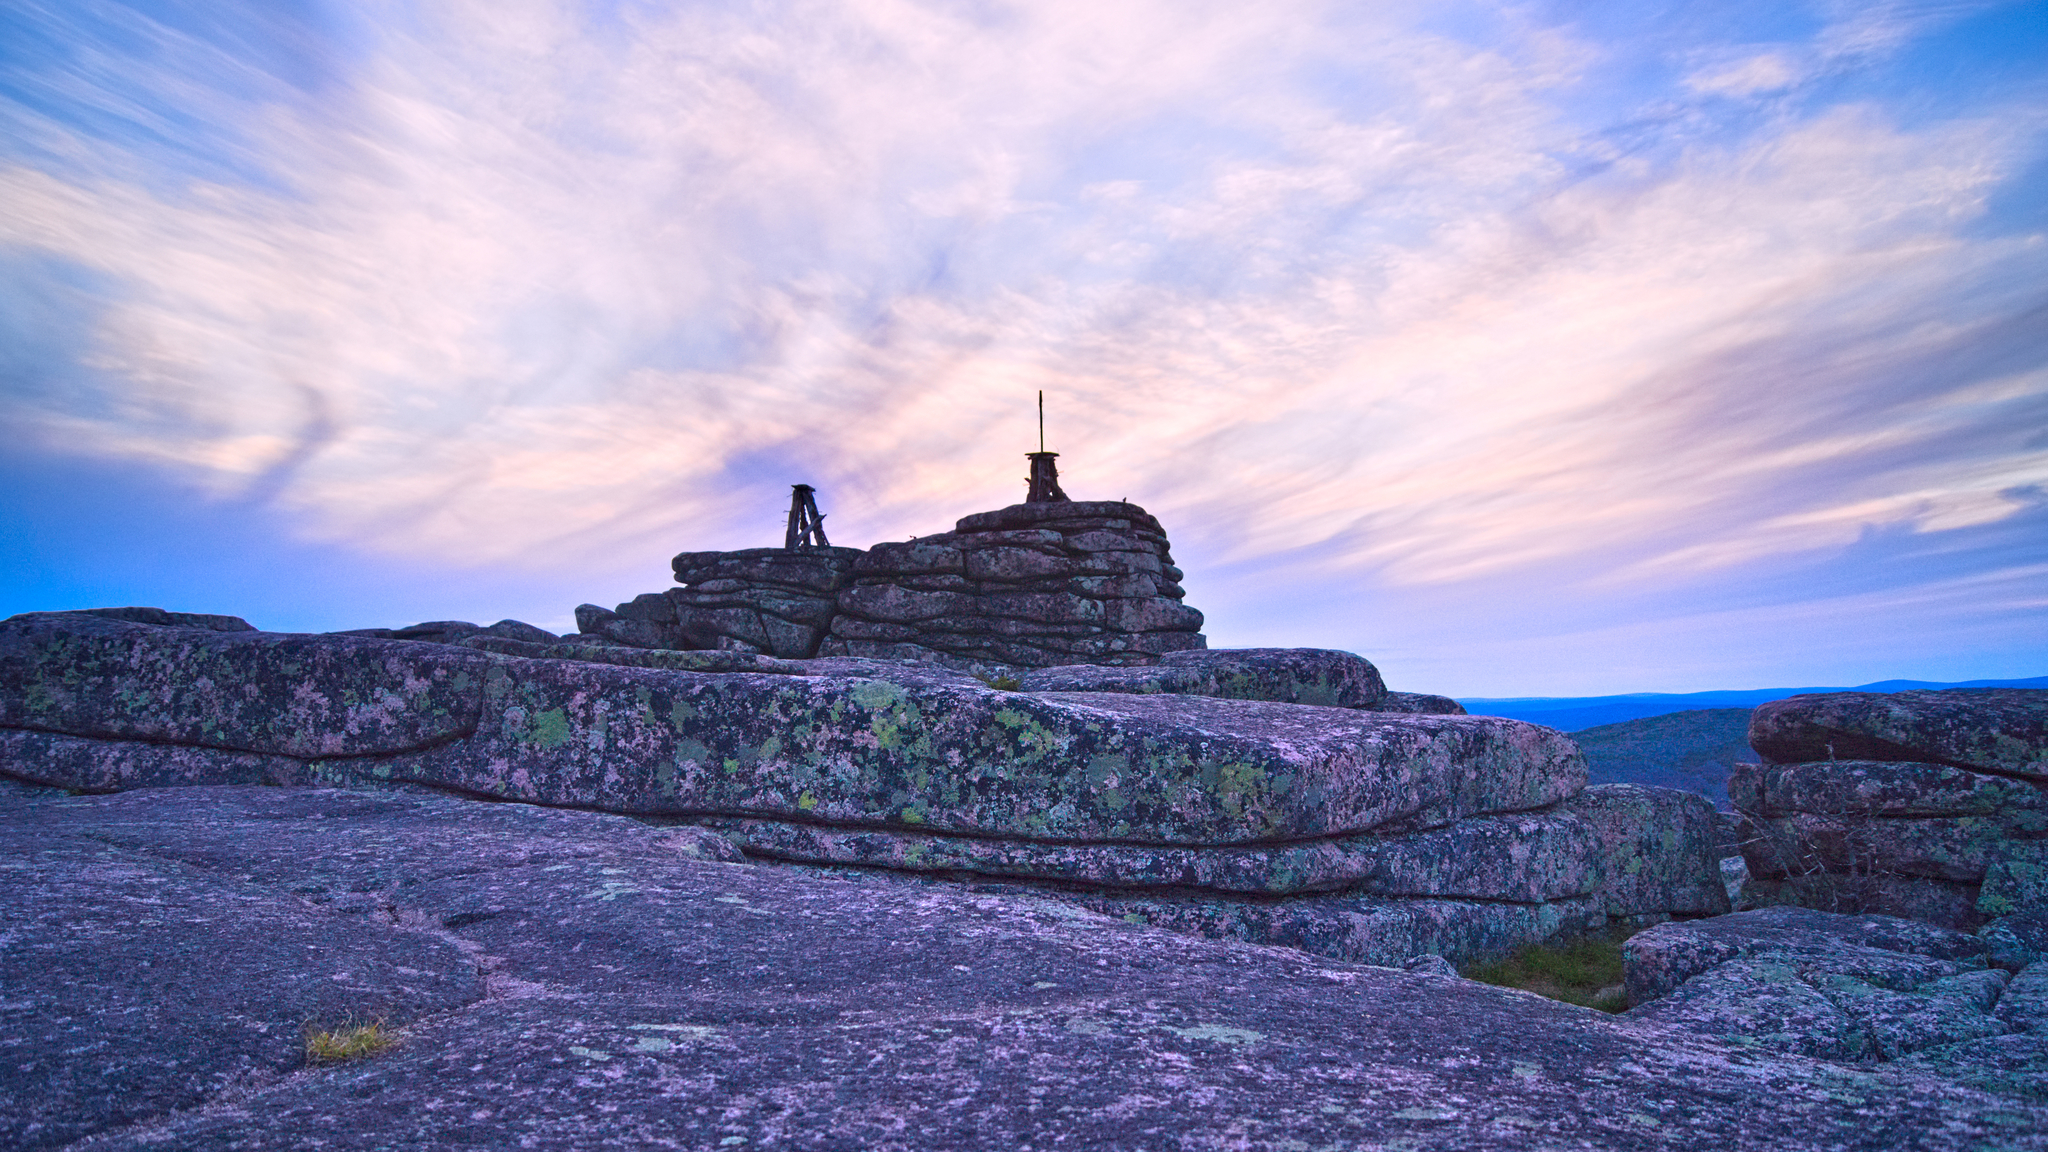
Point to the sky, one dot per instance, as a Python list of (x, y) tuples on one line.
[(1527, 349)]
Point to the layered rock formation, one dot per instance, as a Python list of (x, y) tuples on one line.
[(565, 980), (1359, 834), (1031, 585), (1864, 989), (775, 601), (1929, 805)]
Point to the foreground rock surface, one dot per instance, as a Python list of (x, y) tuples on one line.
[(636, 992)]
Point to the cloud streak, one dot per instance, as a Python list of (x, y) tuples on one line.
[(1346, 296)]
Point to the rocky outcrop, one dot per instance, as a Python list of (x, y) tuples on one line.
[(1028, 586), (775, 601), (1997, 730), (1863, 989), (1286, 675), (560, 980), (1934, 805), (1476, 832)]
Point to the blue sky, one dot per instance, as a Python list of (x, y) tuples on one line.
[(1527, 349)]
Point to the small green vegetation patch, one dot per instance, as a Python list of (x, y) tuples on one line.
[(1586, 972), (1001, 683), (351, 1041)]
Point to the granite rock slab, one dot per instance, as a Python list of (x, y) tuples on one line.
[(2002, 730), (1637, 851), (637, 995), (1889, 790), (293, 695), (935, 756), (1667, 955), (1289, 675)]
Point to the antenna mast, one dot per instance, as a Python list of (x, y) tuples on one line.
[(1045, 475)]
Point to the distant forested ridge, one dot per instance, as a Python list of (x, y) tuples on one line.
[(1692, 750), (1574, 713)]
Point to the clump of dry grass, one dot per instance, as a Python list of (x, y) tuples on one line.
[(1585, 972), (348, 1041)]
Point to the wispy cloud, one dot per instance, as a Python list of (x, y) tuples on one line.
[(523, 281)]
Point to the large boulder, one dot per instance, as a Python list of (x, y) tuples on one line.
[(1929, 805), (637, 990), (1028, 586), (1999, 730)]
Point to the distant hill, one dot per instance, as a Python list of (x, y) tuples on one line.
[(1692, 750), (1572, 713)]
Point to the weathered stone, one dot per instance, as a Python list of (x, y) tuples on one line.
[(1835, 987), (1025, 587), (864, 753), (1658, 849), (1941, 847), (1933, 841), (1528, 857), (1986, 729), (1947, 903), (163, 619), (957, 759), (1289, 675), (821, 571), (91, 764), (2015, 1064), (2013, 942), (1666, 956), (2024, 1006), (2016, 880), (1875, 788), (137, 985), (264, 692), (1419, 703), (1362, 929), (639, 996)]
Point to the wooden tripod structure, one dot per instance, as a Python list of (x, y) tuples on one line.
[(806, 523)]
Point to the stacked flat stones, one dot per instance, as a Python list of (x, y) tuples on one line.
[(1310, 821), (774, 601), (1031, 585), (1928, 805)]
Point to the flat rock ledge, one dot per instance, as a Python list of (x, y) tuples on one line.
[(1855, 988), (569, 980)]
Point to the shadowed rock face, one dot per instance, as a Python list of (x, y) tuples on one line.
[(1931, 805), (570, 980)]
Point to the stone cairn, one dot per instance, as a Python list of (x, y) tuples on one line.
[(1048, 582), (1926, 805), (1033, 585)]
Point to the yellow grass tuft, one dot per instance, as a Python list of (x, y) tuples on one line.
[(350, 1041)]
